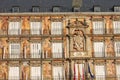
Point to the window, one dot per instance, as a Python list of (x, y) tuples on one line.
[(36, 73), (56, 28), (14, 28), (35, 50), (76, 9), (98, 27), (79, 72), (35, 28), (100, 72), (117, 49), (97, 9), (15, 9), (99, 49), (14, 73), (118, 71), (116, 8), (57, 50), (57, 73), (116, 26), (35, 9), (56, 9), (14, 49)]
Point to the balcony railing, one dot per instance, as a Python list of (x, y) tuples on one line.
[(24, 32), (31, 56), (105, 31)]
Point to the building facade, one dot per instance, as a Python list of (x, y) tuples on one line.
[(69, 43)]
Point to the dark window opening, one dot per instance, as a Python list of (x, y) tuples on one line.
[(15, 9)]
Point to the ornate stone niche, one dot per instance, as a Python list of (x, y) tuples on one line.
[(78, 42), (77, 37)]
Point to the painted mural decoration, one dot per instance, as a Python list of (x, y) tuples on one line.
[(47, 48), (47, 71), (46, 27), (110, 68), (3, 70), (109, 48), (78, 40), (26, 48), (3, 48), (25, 71), (4, 25)]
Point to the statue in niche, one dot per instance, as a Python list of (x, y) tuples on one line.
[(109, 47), (25, 71), (47, 49), (78, 40)]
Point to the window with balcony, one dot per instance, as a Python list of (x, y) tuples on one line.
[(14, 28), (100, 72), (116, 8), (57, 73), (116, 27), (56, 28), (35, 28), (97, 8), (35, 50), (15, 9), (98, 27), (79, 72), (14, 50), (35, 9), (99, 49), (117, 49), (118, 71), (36, 73), (57, 50), (14, 73)]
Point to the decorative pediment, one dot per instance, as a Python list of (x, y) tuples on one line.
[(77, 23)]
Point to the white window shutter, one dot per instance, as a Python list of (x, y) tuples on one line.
[(57, 73), (98, 49), (116, 26), (57, 50), (14, 73), (14, 28), (35, 50), (100, 72), (118, 71), (36, 73), (35, 28), (117, 48), (14, 49), (56, 28), (98, 27)]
